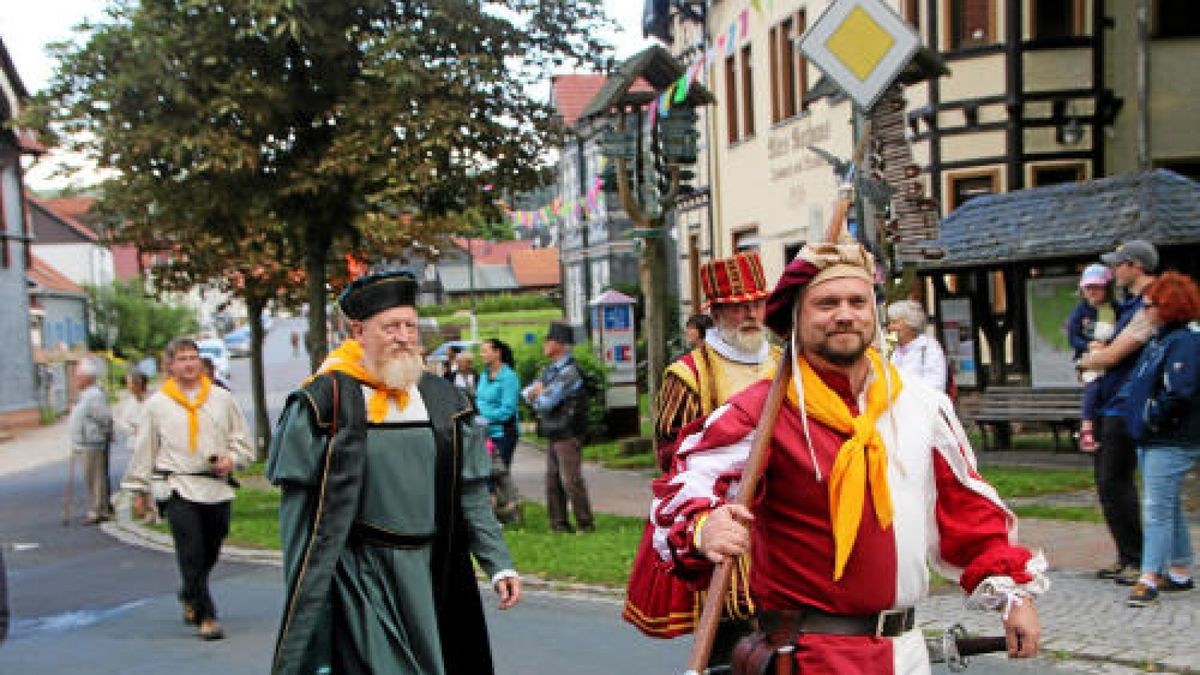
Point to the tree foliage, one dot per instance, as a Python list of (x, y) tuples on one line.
[(316, 126), (138, 325)]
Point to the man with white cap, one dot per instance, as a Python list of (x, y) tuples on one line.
[(868, 479)]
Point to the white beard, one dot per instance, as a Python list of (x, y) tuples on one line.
[(745, 342), (399, 372)]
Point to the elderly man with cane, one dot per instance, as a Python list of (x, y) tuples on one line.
[(867, 478), (91, 427)]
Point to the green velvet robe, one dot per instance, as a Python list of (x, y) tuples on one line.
[(410, 605)]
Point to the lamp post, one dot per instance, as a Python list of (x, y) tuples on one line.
[(649, 197)]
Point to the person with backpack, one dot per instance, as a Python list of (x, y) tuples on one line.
[(916, 354), (559, 397), (1161, 404)]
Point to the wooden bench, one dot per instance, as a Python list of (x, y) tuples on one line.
[(996, 408)]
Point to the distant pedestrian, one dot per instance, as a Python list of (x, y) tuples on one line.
[(916, 355), (695, 329), (127, 417), (465, 380), (192, 438), (91, 427), (451, 365), (1092, 320), (559, 398), (496, 398), (1162, 413), (1133, 264), (295, 343)]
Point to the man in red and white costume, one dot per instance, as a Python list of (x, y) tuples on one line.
[(869, 478)]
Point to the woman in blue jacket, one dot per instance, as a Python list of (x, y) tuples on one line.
[(1162, 412), (496, 398)]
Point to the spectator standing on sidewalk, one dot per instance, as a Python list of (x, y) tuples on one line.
[(559, 397), (1162, 413), (916, 355), (695, 329), (731, 356), (496, 398), (1133, 264), (91, 428), (868, 480), (127, 416), (191, 439), (1092, 320)]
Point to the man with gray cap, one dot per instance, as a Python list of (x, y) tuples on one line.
[(384, 504), (559, 397), (1133, 264)]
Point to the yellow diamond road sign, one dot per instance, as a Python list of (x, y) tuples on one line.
[(862, 45)]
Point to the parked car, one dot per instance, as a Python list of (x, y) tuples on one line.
[(215, 350), (238, 342), (440, 355)]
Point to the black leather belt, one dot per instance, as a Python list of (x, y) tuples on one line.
[(889, 623), (365, 533)]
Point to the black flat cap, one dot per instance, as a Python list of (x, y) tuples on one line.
[(371, 294)]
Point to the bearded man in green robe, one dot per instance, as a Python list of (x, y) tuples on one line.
[(384, 502)]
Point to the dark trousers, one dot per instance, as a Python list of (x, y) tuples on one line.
[(564, 481), (1115, 464), (198, 530)]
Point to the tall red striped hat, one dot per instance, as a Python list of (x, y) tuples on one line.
[(729, 281)]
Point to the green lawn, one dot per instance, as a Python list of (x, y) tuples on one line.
[(1013, 482), (511, 327)]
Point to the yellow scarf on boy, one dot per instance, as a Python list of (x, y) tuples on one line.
[(861, 460), (173, 391), (348, 359)]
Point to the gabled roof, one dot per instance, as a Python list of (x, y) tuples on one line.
[(1070, 220), (46, 278), (81, 208), (486, 252), (536, 267), (570, 93), (83, 232), (12, 99), (657, 68)]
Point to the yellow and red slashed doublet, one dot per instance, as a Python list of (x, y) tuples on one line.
[(657, 602), (944, 515)]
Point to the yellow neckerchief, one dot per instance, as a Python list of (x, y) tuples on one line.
[(348, 359), (174, 392), (861, 459)]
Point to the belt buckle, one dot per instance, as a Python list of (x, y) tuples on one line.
[(881, 621)]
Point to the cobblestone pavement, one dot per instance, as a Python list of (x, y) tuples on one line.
[(1085, 620)]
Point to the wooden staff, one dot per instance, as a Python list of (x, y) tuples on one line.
[(718, 586), (755, 463)]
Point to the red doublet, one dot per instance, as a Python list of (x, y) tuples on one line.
[(933, 482)]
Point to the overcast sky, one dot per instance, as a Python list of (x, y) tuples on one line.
[(26, 26)]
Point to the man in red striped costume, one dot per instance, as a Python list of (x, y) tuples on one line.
[(735, 354), (869, 478)]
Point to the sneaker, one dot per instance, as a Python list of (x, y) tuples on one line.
[(1171, 586), (1142, 595), (1087, 441)]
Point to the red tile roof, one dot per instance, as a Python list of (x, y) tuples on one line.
[(51, 279), (536, 267), (570, 94), (492, 252), (66, 218), (79, 208)]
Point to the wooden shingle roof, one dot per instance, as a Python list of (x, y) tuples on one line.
[(1070, 220)]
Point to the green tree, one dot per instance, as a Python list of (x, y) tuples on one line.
[(338, 120), (138, 325)]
